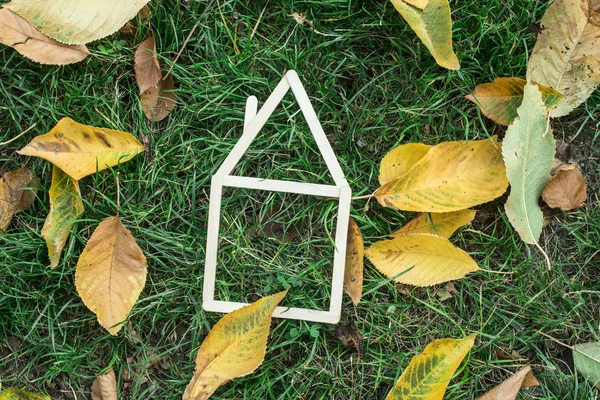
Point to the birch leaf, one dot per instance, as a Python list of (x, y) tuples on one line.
[(105, 387), (80, 150), (31, 43), (566, 56), (441, 224), (586, 357), (17, 192), (528, 151), (65, 207), (355, 254), (399, 160), (18, 394), (76, 22), (428, 373), (510, 388), (452, 176), (111, 274), (500, 99), (428, 259), (433, 26), (147, 68), (235, 347)]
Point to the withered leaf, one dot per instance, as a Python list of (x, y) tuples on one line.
[(147, 68), (566, 190)]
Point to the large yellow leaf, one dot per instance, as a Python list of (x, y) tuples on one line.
[(18, 394), (441, 224), (77, 22), (81, 150), (428, 373), (399, 160), (111, 274), (235, 347), (355, 255), (17, 192), (433, 26), (429, 259), (500, 99), (566, 56), (65, 207), (28, 41), (451, 176)]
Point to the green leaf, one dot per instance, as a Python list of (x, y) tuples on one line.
[(18, 394), (586, 357), (65, 207), (528, 151)]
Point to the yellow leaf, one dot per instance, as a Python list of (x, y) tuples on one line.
[(434, 27), (428, 373), (18, 394), (418, 3), (235, 347), (159, 100), (355, 253), (111, 274), (17, 192), (76, 22), (451, 176), (428, 259), (65, 207), (566, 56), (441, 224), (28, 41), (80, 150), (147, 68), (500, 99), (399, 160), (105, 387), (510, 388)]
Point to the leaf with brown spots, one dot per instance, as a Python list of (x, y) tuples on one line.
[(355, 254), (80, 150), (510, 388), (17, 192), (441, 224), (159, 100), (147, 68), (566, 190)]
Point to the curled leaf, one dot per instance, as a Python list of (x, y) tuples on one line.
[(355, 253)]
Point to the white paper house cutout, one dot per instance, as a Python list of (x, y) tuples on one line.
[(253, 123)]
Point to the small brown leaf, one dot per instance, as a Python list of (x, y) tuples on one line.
[(565, 190), (17, 192), (446, 292), (509, 389), (301, 19), (160, 100), (147, 68), (130, 28), (355, 255), (105, 387), (349, 335)]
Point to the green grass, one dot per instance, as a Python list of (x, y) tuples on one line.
[(374, 86)]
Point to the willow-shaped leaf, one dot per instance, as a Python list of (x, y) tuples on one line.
[(586, 357), (441, 224)]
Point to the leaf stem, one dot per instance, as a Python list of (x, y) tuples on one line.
[(556, 340), (497, 272), (118, 194), (368, 196), (548, 263)]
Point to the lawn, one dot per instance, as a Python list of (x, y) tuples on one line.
[(374, 86)]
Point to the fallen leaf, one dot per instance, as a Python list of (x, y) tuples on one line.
[(528, 151), (399, 160), (31, 43), (428, 373), (510, 388), (452, 176), (147, 68), (17, 192), (160, 100), (441, 224), (507, 354), (433, 26), (566, 56), (76, 22), (418, 3), (111, 273), (355, 253), (500, 99), (130, 28), (235, 347), (428, 259), (18, 394), (586, 357), (80, 150), (105, 387), (65, 207), (565, 190), (445, 293), (349, 335), (301, 19)]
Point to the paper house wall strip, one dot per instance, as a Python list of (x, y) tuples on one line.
[(253, 123)]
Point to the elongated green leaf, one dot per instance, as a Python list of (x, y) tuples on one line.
[(528, 151), (586, 357), (433, 26), (65, 207)]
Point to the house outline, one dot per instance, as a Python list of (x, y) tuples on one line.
[(253, 123)]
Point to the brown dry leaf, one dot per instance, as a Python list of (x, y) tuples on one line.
[(111, 274), (130, 28), (509, 389), (355, 255), (441, 224), (28, 41), (446, 292), (507, 354), (105, 387), (349, 335), (566, 190), (301, 19), (147, 68), (159, 100), (17, 192)]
